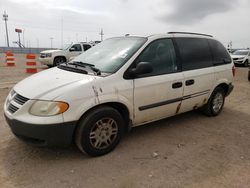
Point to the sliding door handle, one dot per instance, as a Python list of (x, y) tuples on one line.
[(189, 82)]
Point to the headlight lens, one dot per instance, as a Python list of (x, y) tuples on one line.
[(48, 108), (48, 54)]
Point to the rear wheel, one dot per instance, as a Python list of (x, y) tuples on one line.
[(58, 61), (215, 102), (99, 131)]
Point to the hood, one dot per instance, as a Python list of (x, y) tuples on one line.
[(47, 81), (238, 56), (49, 51)]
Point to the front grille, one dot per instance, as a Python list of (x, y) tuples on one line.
[(12, 109), (235, 58), (15, 102), (20, 99)]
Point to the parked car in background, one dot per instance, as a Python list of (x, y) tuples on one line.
[(55, 57), (241, 57), (121, 83)]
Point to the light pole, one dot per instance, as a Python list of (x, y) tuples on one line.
[(19, 39), (51, 42), (5, 18)]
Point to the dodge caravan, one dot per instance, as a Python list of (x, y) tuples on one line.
[(121, 83)]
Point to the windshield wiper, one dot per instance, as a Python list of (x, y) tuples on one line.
[(85, 65), (65, 66)]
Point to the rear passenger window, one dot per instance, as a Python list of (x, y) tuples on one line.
[(86, 47), (195, 53), (220, 54)]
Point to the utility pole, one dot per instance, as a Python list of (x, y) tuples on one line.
[(5, 18), (51, 42), (101, 33)]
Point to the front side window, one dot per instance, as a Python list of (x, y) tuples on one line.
[(77, 47), (195, 53), (86, 47), (161, 55)]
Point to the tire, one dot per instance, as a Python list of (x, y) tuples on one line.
[(58, 61), (246, 63), (215, 103), (99, 132)]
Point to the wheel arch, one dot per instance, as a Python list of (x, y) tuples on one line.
[(224, 86), (120, 107), (59, 56)]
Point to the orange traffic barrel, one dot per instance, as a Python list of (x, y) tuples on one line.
[(9, 59), (31, 63)]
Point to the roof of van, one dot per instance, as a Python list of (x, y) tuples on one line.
[(179, 34)]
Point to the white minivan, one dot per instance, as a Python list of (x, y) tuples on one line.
[(121, 83)]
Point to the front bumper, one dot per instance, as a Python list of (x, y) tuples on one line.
[(43, 135), (240, 62), (46, 60)]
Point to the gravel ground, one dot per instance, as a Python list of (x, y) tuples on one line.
[(188, 150)]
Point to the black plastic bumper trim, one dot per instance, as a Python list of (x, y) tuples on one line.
[(43, 135)]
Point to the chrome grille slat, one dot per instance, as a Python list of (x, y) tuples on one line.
[(20, 99), (16, 102)]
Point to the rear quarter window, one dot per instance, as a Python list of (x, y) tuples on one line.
[(194, 53), (219, 52)]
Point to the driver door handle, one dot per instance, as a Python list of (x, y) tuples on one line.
[(176, 85)]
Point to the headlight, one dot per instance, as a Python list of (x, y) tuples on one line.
[(48, 54), (48, 108)]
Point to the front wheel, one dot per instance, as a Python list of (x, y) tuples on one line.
[(215, 102), (58, 61), (99, 131)]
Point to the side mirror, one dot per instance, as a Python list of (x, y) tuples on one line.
[(72, 49), (141, 68)]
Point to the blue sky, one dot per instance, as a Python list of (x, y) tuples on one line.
[(79, 20)]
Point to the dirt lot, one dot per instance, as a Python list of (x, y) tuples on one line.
[(189, 150)]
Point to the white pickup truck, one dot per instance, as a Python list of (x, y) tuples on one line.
[(55, 57)]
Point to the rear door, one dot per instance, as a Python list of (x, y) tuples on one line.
[(158, 94), (198, 71)]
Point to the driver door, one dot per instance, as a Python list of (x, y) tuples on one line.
[(158, 94), (75, 50)]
